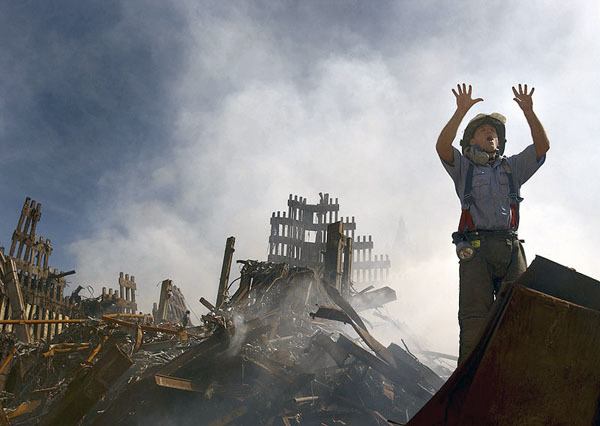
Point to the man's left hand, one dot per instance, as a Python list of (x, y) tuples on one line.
[(523, 99)]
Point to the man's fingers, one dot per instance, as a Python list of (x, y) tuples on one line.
[(520, 89), (532, 90), (525, 92), (478, 100), (515, 91), (463, 89)]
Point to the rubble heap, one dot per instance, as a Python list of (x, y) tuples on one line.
[(285, 348)]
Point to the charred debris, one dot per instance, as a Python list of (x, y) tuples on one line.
[(285, 343)]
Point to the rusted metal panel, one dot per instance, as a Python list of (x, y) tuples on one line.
[(543, 350), (536, 363)]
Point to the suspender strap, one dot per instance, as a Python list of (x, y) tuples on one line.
[(513, 195), (468, 194), (466, 219)]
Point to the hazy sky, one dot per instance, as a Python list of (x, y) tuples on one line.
[(151, 131)]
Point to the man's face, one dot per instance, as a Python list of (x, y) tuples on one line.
[(486, 138)]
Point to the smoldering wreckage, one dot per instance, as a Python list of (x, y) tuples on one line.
[(285, 343)]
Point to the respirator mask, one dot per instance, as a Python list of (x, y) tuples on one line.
[(478, 155)]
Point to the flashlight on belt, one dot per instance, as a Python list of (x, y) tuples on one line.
[(465, 249)]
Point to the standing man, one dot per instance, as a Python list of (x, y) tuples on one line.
[(488, 184)]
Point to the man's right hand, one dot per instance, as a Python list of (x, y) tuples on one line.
[(464, 101)]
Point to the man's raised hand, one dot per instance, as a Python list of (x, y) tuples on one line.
[(524, 99), (464, 101)]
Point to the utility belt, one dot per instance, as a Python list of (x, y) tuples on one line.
[(484, 233), (468, 241)]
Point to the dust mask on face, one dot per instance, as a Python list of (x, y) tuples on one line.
[(478, 155)]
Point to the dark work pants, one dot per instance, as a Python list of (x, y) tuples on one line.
[(496, 262)]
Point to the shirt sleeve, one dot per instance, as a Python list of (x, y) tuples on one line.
[(454, 169), (525, 164)]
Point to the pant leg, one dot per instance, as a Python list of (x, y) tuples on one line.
[(476, 295), (506, 261), (518, 263)]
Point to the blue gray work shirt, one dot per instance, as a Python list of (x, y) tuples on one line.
[(491, 205)]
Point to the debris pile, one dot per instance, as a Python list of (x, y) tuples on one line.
[(285, 348), (282, 344)]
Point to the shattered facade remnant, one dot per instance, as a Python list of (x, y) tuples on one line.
[(299, 237), (123, 299), (30, 254), (41, 287), (37, 290), (171, 306), (127, 289)]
